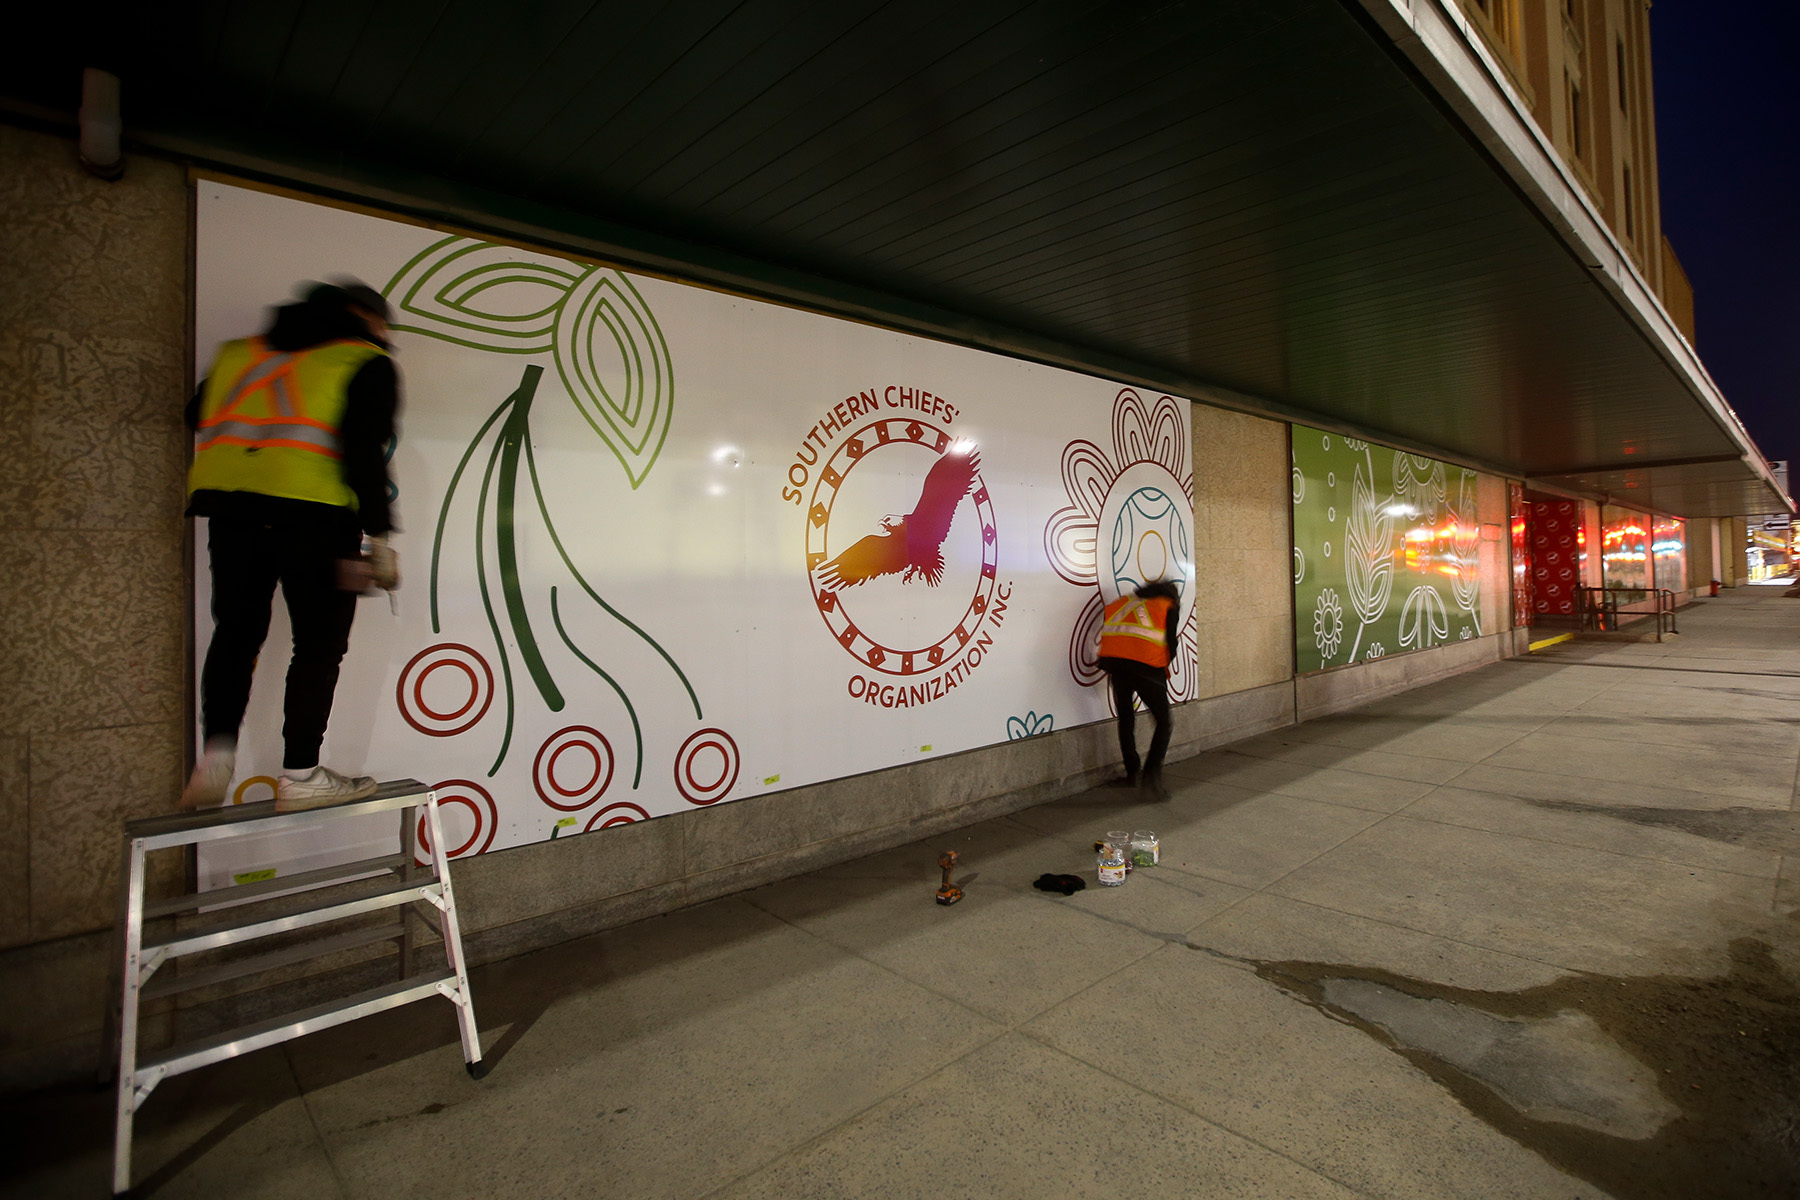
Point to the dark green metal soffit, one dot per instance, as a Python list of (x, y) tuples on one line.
[(1262, 203)]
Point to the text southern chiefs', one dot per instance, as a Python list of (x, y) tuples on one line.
[(837, 420)]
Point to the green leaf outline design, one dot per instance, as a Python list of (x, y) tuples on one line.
[(437, 284), (608, 298)]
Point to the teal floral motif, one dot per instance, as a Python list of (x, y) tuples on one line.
[(1029, 725)]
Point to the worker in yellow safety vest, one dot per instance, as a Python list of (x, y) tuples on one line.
[(1137, 643), (292, 431)]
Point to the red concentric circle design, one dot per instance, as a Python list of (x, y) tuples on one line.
[(621, 812), (559, 760), (706, 766), (409, 692), (475, 798)]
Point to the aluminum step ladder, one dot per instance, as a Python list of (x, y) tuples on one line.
[(391, 883)]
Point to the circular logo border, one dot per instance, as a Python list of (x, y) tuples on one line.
[(891, 660)]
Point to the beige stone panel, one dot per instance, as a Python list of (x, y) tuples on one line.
[(1206, 657), (15, 831), (98, 621), (107, 442), (1218, 584), (1240, 479), (83, 786), (1268, 583), (106, 259), (1252, 653), (22, 613), (18, 465)]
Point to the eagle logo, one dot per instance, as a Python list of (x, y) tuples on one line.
[(911, 546), (881, 634)]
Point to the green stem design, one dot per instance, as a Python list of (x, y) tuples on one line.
[(514, 438), (437, 542), (637, 731), (515, 432), (550, 527), (488, 606)]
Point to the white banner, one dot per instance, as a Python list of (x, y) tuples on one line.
[(666, 547)]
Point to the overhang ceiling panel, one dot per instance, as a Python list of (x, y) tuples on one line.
[(1263, 199)]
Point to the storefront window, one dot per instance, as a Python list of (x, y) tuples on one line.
[(1624, 548), (1669, 547)]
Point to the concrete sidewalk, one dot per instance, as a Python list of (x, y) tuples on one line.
[(1524, 933)]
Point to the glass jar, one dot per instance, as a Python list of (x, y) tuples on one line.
[(1110, 863), (1120, 840), (1146, 851)]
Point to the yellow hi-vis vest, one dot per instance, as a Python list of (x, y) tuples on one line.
[(1136, 628), (270, 420)]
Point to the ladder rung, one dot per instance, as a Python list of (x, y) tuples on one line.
[(389, 895), (243, 892), (236, 820), (170, 982), (233, 1042)]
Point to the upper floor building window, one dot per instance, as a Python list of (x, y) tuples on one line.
[(1577, 143), (1620, 46), (1501, 20)]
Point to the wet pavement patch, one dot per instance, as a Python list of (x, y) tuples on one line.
[(1557, 1068), (1756, 828), (1651, 1088)]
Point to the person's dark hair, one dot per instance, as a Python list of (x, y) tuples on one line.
[(347, 293)]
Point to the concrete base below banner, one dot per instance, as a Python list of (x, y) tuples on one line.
[(1326, 692)]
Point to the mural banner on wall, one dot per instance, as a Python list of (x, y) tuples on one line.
[(1386, 551), (665, 547)]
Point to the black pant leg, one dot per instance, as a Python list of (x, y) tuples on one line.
[(321, 615), (244, 571), (1154, 688), (1121, 684)]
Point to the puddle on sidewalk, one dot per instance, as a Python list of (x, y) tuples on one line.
[(1777, 830), (1653, 1088)]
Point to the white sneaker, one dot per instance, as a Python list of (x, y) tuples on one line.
[(321, 788), (212, 775)]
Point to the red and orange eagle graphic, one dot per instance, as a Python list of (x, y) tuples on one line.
[(911, 546)]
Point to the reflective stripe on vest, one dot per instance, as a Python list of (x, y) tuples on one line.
[(269, 420), (1136, 628)]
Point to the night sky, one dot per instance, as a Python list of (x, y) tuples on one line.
[(1728, 146)]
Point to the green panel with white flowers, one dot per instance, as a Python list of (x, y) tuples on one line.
[(1387, 549)]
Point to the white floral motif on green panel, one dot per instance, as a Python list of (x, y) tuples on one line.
[(1387, 549)]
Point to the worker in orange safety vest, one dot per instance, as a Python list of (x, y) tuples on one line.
[(1137, 643)]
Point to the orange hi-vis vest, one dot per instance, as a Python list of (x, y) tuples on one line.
[(1137, 629), (270, 420)]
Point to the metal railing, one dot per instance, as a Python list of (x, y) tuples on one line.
[(1601, 608)]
